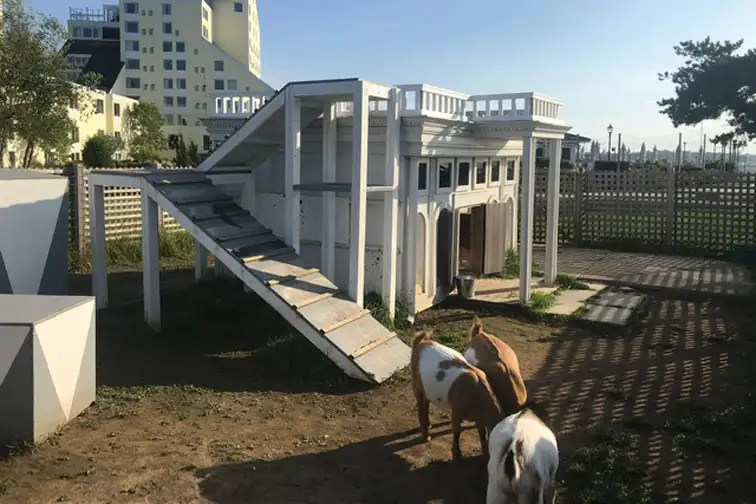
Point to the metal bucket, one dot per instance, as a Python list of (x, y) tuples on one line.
[(465, 285)]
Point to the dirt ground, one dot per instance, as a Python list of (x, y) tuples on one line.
[(229, 406)]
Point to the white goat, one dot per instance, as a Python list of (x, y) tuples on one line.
[(523, 462)]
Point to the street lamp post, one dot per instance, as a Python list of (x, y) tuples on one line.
[(610, 130)]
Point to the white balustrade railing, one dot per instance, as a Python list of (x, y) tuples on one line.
[(514, 106), (236, 104), (421, 100)]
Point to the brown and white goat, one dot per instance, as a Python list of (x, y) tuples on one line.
[(501, 366), (442, 376)]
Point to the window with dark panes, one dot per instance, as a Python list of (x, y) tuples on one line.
[(495, 170), (480, 172), (463, 173), (510, 170), (444, 174), (422, 176)]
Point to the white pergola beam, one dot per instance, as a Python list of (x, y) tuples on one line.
[(391, 202), (150, 261), (328, 242), (526, 217), (292, 169), (552, 212), (359, 194)]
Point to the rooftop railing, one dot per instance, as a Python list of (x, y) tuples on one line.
[(422, 100)]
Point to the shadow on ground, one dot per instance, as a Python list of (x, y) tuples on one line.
[(355, 473), (214, 336)]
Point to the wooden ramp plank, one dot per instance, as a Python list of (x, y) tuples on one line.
[(247, 246), (384, 360), (351, 337), (212, 210), (280, 268), (264, 251), (324, 314), (304, 289)]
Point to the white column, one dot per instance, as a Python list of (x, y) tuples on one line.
[(97, 240), (359, 194), (292, 151), (526, 217), (200, 261), (552, 210), (150, 262), (391, 201), (249, 194), (410, 245), (328, 241)]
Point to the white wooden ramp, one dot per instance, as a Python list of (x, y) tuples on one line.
[(345, 332)]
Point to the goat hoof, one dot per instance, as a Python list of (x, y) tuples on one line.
[(427, 438)]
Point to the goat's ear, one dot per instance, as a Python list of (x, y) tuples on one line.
[(429, 333)]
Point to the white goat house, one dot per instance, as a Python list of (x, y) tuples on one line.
[(523, 461)]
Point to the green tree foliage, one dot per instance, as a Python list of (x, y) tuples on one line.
[(35, 97), (715, 81), (193, 153), (99, 150), (143, 124), (186, 156)]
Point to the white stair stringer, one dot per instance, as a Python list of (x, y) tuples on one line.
[(347, 334)]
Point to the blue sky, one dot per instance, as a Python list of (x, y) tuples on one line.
[(600, 57)]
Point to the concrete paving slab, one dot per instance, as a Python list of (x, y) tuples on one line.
[(619, 300), (607, 314)]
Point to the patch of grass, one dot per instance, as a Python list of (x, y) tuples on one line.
[(608, 469), (703, 428), (540, 301), (176, 250), (569, 282), (379, 311)]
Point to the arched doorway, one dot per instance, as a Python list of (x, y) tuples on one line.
[(444, 234), (420, 254)]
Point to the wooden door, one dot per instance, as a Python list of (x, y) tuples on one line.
[(478, 242)]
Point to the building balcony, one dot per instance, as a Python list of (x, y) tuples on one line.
[(109, 15), (235, 104)]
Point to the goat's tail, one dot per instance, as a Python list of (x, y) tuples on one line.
[(420, 337), (477, 327)]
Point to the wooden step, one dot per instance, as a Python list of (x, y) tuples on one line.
[(196, 193), (329, 314), (351, 337), (372, 345), (200, 212), (304, 291), (267, 251), (304, 273), (277, 269), (229, 229), (247, 246), (188, 177)]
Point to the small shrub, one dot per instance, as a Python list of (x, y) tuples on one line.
[(540, 301), (569, 282), (511, 264), (99, 150)]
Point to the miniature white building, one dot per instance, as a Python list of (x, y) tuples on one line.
[(334, 174)]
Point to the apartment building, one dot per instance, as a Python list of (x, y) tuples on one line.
[(96, 111), (182, 55)]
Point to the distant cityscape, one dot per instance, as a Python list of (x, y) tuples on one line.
[(745, 162)]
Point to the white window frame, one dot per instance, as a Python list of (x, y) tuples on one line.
[(502, 166), (467, 187), (474, 179), (445, 190)]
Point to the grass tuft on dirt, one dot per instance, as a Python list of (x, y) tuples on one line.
[(569, 282), (541, 301), (608, 469), (379, 311)]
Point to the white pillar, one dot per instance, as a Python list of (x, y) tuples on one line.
[(526, 217), (552, 211), (200, 261), (328, 241), (410, 244), (359, 194), (97, 241), (150, 262), (391, 201), (249, 194), (292, 151)]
